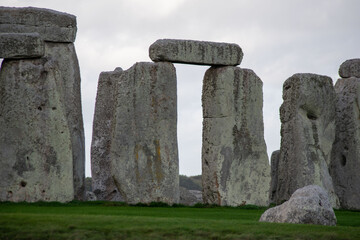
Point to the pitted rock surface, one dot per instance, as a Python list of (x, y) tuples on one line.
[(195, 52), (21, 45), (307, 205), (350, 68), (307, 134), (52, 25), (345, 162), (234, 160)]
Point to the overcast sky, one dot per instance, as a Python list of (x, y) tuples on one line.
[(279, 38)]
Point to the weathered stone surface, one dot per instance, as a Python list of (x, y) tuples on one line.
[(21, 45), (350, 68), (41, 134), (345, 162), (307, 134), (66, 65), (90, 196), (52, 25), (195, 52), (102, 179), (187, 198), (274, 174), (308, 205), (235, 166), (143, 148)]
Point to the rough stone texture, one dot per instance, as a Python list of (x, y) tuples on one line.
[(102, 180), (345, 162), (90, 196), (52, 25), (235, 166), (143, 149), (187, 198), (21, 45), (350, 68), (195, 52), (41, 134), (307, 134), (274, 174), (308, 205)]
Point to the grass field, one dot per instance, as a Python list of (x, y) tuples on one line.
[(101, 220)]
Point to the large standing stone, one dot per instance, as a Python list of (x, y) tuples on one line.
[(42, 153), (52, 25), (307, 134), (345, 161), (308, 205), (66, 65), (143, 145), (235, 166), (350, 68), (103, 126), (195, 52), (21, 45)]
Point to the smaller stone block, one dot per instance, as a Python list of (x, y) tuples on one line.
[(307, 205), (350, 68), (274, 174), (195, 52), (21, 45), (53, 26)]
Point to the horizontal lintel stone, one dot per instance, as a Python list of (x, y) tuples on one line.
[(196, 52), (21, 45), (53, 26)]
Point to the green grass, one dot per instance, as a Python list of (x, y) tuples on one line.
[(101, 220)]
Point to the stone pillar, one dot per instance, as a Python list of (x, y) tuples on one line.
[(42, 153), (345, 162), (307, 134), (143, 154), (235, 166), (102, 179)]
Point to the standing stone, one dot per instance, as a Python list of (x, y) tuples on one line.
[(21, 45), (345, 162), (66, 65), (350, 68), (42, 153), (274, 174), (307, 205), (103, 184), (307, 134), (53, 26), (195, 52), (235, 166), (143, 146)]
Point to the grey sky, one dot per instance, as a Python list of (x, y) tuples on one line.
[(279, 38)]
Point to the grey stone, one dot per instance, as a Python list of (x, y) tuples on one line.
[(345, 162), (308, 205), (235, 164), (274, 174), (90, 196), (195, 52), (187, 197), (102, 179), (307, 134), (350, 68), (21, 45), (41, 138), (52, 25), (143, 146)]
